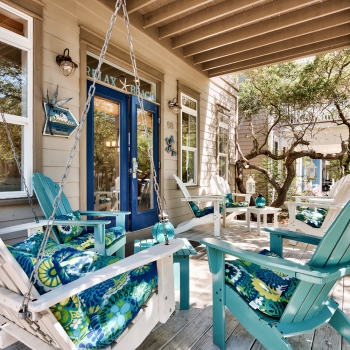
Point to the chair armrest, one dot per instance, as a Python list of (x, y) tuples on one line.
[(203, 198), (277, 235), (144, 257), (318, 205), (82, 222), (103, 213), (295, 269)]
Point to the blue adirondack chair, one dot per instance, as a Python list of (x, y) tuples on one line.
[(310, 305), (106, 241)]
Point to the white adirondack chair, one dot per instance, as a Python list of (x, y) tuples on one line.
[(221, 186), (334, 208), (331, 195), (14, 283), (206, 219)]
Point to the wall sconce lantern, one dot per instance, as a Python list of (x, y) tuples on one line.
[(66, 64), (175, 108), (250, 185)]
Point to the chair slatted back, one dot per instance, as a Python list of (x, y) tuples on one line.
[(333, 250), (182, 187), (46, 191), (342, 196), (184, 191)]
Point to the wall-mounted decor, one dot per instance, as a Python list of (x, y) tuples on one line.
[(59, 121), (170, 125), (170, 142)]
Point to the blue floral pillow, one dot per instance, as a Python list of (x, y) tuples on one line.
[(68, 232), (33, 243)]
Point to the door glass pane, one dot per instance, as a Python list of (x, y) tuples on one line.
[(188, 162), (145, 196), (10, 179), (13, 80), (106, 155)]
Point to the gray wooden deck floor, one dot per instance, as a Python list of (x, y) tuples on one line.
[(192, 329)]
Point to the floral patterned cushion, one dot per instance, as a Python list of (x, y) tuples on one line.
[(94, 318), (266, 290), (86, 240), (202, 212), (312, 217), (231, 204), (68, 232)]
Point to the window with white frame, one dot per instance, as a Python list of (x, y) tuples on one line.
[(16, 100), (189, 140), (223, 144)]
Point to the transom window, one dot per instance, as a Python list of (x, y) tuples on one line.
[(189, 140), (16, 86)]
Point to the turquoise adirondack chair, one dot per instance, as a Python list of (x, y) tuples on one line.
[(106, 241), (310, 305)]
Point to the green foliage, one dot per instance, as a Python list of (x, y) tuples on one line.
[(285, 102)]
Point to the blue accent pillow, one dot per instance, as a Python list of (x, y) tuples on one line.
[(68, 232)]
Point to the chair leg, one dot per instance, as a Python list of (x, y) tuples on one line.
[(341, 323)]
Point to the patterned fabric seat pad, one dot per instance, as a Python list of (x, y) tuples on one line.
[(204, 211), (311, 217), (230, 203), (95, 317), (87, 241), (266, 290)]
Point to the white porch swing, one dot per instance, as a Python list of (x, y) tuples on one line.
[(30, 302)]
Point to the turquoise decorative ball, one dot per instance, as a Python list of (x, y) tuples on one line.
[(260, 201), (160, 229)]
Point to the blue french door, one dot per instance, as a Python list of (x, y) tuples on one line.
[(118, 167), (143, 203)]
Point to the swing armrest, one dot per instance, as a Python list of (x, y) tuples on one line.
[(144, 257), (217, 249), (82, 222)]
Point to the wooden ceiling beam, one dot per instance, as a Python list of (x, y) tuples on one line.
[(201, 17), (245, 18), (171, 10), (320, 10), (274, 37), (323, 35), (284, 56), (135, 5)]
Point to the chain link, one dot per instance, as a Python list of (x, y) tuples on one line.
[(144, 120), (18, 164), (73, 151), (26, 298)]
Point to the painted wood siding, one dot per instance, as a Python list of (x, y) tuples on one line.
[(62, 23)]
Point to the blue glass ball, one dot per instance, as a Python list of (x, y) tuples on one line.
[(158, 231), (260, 201)]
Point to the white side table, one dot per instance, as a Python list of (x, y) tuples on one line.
[(262, 211)]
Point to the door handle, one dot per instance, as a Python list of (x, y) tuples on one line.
[(134, 168)]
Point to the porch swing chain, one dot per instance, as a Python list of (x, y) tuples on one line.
[(26, 297), (18, 164), (144, 120)]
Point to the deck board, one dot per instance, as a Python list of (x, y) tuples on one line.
[(192, 329)]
